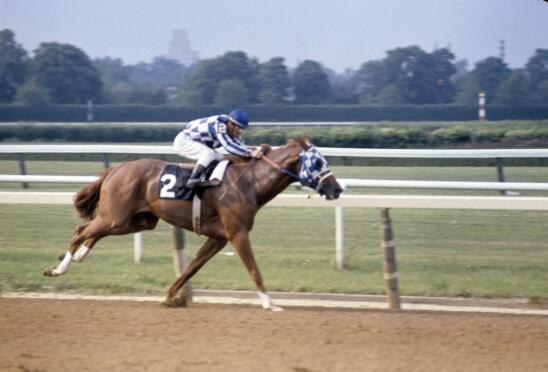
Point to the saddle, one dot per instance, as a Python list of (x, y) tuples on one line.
[(173, 178)]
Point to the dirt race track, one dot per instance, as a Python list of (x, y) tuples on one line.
[(82, 335)]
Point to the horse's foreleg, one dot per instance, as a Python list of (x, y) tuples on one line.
[(240, 242), (210, 248)]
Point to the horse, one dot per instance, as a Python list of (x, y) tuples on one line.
[(125, 200)]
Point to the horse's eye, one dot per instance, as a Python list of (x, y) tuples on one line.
[(319, 163)]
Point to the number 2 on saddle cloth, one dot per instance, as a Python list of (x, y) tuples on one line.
[(173, 178)]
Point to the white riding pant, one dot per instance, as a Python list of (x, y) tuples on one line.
[(195, 150)]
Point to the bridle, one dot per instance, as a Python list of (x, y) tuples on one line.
[(320, 179), (322, 176)]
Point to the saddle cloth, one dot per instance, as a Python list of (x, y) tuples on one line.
[(173, 178)]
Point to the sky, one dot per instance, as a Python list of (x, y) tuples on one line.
[(339, 34)]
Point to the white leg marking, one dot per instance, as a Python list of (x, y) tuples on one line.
[(267, 304), (81, 253), (63, 265)]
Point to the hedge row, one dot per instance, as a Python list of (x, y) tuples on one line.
[(381, 135), (92, 133), (143, 113)]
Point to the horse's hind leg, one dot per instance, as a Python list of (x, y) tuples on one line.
[(139, 222), (91, 232), (176, 298), (82, 251), (95, 229)]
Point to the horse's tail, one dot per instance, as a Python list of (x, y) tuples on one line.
[(86, 199)]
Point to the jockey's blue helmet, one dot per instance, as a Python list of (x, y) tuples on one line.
[(239, 117)]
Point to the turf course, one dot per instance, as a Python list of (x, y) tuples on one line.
[(440, 253)]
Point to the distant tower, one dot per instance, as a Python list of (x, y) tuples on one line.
[(502, 50), (179, 48)]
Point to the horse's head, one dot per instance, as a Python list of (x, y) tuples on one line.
[(314, 171)]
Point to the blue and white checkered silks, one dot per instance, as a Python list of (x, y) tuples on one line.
[(212, 132), (314, 168)]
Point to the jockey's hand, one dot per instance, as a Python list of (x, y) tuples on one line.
[(256, 153)]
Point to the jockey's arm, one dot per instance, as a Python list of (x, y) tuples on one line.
[(256, 152), (233, 147)]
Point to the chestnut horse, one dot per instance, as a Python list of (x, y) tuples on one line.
[(125, 200)]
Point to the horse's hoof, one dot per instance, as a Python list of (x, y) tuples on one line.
[(175, 302), (48, 271), (168, 303), (275, 308)]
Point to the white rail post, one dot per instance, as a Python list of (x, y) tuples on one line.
[(339, 237), (138, 247)]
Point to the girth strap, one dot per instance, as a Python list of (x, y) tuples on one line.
[(196, 214)]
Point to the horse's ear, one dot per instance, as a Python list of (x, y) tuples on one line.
[(292, 142), (304, 142), (265, 148)]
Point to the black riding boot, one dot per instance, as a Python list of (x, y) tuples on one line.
[(194, 179)]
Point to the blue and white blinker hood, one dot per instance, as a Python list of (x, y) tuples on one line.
[(314, 169)]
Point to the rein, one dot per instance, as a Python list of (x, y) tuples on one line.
[(269, 161), (280, 168), (283, 170)]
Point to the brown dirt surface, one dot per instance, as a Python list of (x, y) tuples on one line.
[(83, 335)]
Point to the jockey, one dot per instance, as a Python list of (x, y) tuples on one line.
[(201, 136)]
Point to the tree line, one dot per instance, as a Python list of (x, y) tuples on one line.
[(59, 73)]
